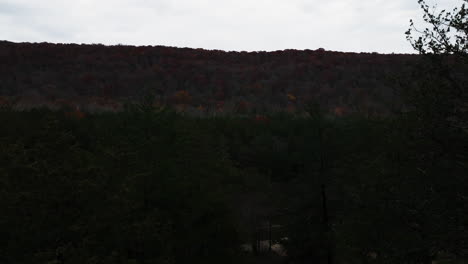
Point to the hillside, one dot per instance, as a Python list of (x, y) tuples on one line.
[(148, 185), (196, 80)]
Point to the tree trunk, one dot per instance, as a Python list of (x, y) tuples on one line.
[(327, 226)]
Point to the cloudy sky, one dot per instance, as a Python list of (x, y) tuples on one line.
[(250, 25)]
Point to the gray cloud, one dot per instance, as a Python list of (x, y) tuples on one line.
[(10, 9), (345, 25)]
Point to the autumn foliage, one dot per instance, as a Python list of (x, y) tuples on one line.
[(266, 81)]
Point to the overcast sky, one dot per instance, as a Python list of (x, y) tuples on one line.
[(250, 25)]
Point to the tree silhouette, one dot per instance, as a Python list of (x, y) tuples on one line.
[(448, 34)]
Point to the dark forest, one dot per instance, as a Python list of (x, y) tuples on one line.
[(148, 155)]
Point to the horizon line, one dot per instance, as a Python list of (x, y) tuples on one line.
[(205, 49)]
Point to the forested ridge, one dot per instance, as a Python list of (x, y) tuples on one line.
[(200, 81)]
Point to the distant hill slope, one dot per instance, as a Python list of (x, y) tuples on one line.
[(102, 77)]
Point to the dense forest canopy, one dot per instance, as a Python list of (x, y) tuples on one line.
[(196, 80), (148, 185)]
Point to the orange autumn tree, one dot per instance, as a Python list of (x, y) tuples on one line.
[(291, 97), (76, 113), (182, 97)]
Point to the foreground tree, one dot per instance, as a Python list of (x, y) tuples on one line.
[(443, 94), (438, 99), (448, 34)]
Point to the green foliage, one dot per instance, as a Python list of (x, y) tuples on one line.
[(142, 186), (148, 185)]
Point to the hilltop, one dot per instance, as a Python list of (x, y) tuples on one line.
[(198, 81)]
